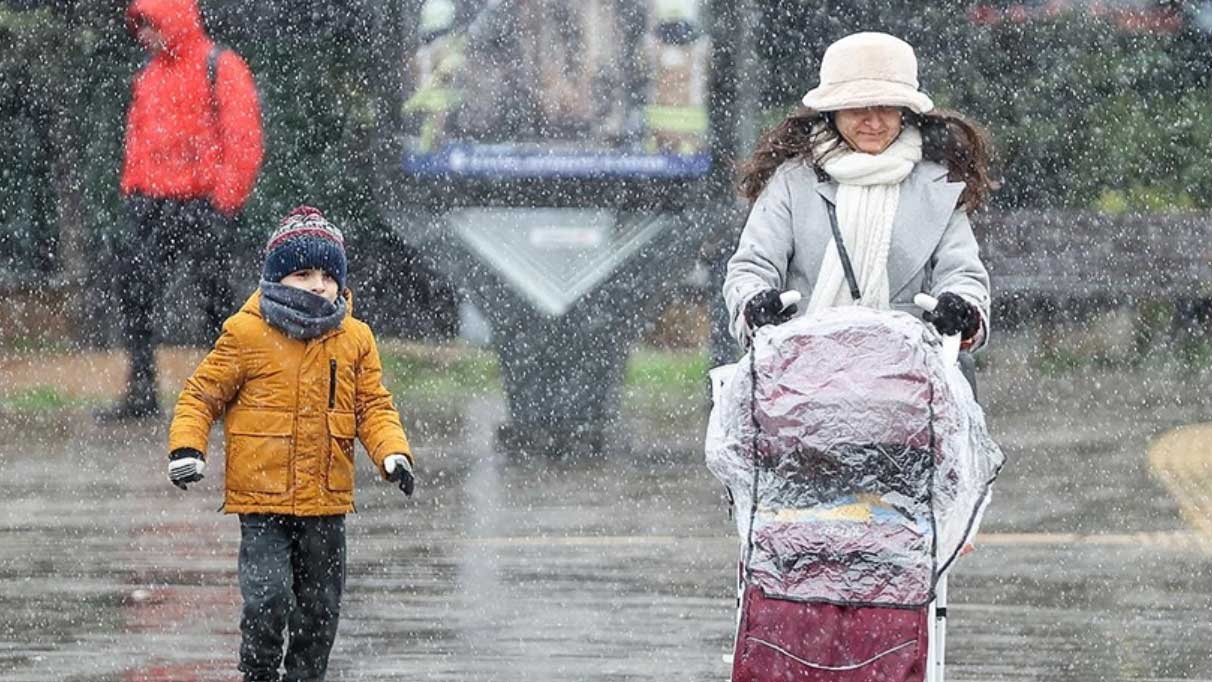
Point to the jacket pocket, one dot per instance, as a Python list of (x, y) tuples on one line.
[(342, 429), (258, 450)]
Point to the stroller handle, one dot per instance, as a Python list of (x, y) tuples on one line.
[(925, 302), (951, 344), (789, 298)]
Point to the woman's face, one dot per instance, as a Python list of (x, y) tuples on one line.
[(869, 130)]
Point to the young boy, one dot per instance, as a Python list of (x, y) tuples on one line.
[(298, 378)]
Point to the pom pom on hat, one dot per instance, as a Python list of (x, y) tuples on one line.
[(305, 239)]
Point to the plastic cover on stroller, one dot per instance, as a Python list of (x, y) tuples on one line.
[(857, 458)]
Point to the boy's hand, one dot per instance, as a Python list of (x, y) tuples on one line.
[(399, 470), (185, 465)]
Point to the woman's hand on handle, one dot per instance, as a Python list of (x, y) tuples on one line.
[(952, 315), (951, 342), (770, 307)]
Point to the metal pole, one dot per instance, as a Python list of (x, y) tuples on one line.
[(750, 77), (936, 645), (392, 40), (735, 99)]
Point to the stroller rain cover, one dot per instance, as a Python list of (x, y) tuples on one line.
[(858, 459)]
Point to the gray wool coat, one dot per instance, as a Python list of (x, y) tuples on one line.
[(782, 246)]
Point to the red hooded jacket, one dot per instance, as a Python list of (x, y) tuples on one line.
[(180, 142)]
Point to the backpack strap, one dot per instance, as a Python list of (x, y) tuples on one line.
[(851, 280), (212, 75)]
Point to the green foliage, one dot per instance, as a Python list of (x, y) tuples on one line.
[(320, 67), (676, 372), (1143, 199), (1087, 116), (452, 371), (439, 373), (38, 399), (63, 79), (666, 386), (1084, 115)]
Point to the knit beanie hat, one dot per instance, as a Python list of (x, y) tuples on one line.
[(305, 239)]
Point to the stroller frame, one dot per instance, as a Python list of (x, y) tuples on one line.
[(935, 670), (936, 643)]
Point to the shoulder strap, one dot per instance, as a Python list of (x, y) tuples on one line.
[(212, 75), (851, 280)]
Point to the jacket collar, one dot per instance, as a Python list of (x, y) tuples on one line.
[(926, 203)]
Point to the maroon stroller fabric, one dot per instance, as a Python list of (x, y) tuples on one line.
[(788, 641)]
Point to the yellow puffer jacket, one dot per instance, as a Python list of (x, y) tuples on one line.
[(293, 411)]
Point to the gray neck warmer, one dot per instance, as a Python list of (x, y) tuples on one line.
[(299, 314)]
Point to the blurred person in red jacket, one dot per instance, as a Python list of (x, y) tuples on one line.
[(193, 150)]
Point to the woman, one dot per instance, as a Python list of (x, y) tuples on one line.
[(899, 179), (860, 198)]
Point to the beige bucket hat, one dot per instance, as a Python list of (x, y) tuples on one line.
[(868, 70)]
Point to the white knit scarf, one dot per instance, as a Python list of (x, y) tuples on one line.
[(869, 191)]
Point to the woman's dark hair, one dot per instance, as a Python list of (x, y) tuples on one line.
[(947, 138)]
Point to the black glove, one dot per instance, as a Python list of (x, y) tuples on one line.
[(954, 315), (766, 308), (399, 470), (185, 465)]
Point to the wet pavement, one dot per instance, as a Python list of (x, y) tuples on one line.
[(609, 569)]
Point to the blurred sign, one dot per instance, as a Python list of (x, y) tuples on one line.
[(567, 237), (559, 88), (554, 256)]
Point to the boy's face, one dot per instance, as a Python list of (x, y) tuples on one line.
[(314, 280)]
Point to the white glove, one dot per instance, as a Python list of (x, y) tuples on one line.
[(186, 466)]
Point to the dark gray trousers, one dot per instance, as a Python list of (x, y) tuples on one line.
[(164, 235), (292, 572), (967, 363)]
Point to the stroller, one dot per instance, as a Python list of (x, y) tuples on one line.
[(859, 465)]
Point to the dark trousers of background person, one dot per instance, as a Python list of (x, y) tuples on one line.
[(165, 235), (292, 573)]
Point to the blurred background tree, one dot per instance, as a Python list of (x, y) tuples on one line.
[(64, 77), (1092, 105), (1090, 108), (328, 74)]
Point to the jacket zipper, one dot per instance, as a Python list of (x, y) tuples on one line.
[(332, 383), (332, 398)]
